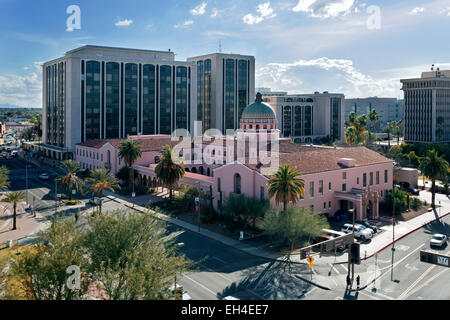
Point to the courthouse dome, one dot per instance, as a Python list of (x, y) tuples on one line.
[(258, 110)]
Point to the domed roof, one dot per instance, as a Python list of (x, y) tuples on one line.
[(258, 110)]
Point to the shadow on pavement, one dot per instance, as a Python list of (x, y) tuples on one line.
[(270, 282)]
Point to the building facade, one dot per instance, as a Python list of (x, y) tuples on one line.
[(307, 117), (388, 109), (427, 107), (225, 86), (98, 92)]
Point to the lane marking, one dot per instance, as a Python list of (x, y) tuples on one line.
[(345, 268), (334, 268), (410, 289), (198, 283), (425, 283), (218, 259)]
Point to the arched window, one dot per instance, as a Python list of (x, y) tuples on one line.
[(200, 170), (194, 170), (237, 183), (208, 172)]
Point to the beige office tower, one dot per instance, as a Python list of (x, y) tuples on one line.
[(225, 86)]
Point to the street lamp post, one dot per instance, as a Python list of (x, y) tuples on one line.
[(352, 211), (393, 234), (26, 179), (178, 245)]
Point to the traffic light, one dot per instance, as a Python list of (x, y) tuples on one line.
[(355, 253), (302, 254)]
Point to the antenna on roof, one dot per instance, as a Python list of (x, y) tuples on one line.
[(220, 46)]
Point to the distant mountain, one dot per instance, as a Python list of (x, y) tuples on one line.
[(10, 106)]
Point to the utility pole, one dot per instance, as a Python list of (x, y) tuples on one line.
[(26, 180), (393, 234), (350, 264)]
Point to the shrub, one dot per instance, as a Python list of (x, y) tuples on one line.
[(416, 204), (401, 202), (249, 208), (208, 215), (72, 202)]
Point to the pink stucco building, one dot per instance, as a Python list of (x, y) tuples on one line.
[(336, 178)]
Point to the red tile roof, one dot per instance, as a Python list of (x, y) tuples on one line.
[(97, 144), (318, 159)]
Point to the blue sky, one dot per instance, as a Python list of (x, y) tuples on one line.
[(301, 46)]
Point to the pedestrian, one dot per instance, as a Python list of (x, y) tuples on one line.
[(358, 279), (348, 281)]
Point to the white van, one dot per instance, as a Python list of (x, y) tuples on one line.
[(360, 231)]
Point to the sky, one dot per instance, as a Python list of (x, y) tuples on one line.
[(359, 48)]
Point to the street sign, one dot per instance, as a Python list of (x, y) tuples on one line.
[(434, 258), (310, 260), (310, 265)]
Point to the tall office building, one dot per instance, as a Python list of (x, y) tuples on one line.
[(98, 92), (306, 117), (427, 107), (225, 86), (388, 109)]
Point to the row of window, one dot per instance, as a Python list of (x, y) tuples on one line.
[(371, 182)]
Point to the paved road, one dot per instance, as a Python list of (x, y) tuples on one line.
[(412, 279)]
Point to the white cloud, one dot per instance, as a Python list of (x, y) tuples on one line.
[(325, 74), (184, 25), (124, 23), (199, 10), (416, 11), (21, 90), (265, 12), (324, 8), (214, 13)]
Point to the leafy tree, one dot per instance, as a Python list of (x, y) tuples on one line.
[(170, 169), (414, 159), (15, 197), (285, 186), (294, 224), (132, 257), (130, 151), (397, 197), (250, 208), (356, 133), (70, 180), (124, 174), (100, 180), (42, 272), (433, 166)]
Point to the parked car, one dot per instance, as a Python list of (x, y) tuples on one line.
[(413, 191), (44, 176), (367, 225), (438, 240), (360, 231)]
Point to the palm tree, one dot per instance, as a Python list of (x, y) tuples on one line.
[(101, 180), (433, 166), (398, 130), (352, 118), (71, 167), (169, 169), (285, 186), (130, 151), (390, 128), (4, 177), (351, 136), (14, 198), (373, 117)]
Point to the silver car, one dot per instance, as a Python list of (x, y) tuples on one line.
[(438, 240)]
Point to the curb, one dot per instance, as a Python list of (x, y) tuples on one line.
[(406, 234)]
